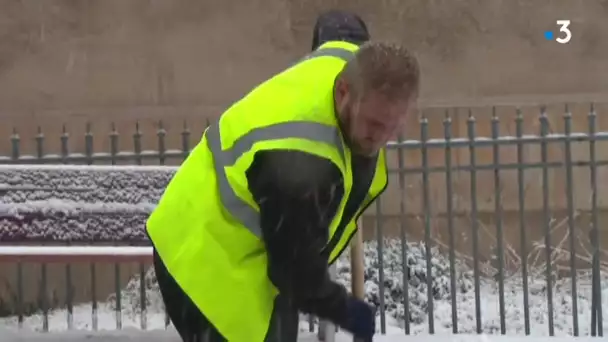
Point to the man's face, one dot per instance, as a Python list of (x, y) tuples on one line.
[(371, 120)]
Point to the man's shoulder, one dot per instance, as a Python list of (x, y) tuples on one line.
[(294, 168)]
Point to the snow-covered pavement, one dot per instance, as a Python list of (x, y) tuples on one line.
[(133, 335)]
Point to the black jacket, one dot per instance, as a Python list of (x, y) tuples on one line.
[(298, 194)]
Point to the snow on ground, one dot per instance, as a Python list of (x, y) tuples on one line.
[(393, 300), (465, 295), (132, 335)]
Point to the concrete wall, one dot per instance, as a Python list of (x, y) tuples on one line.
[(190, 57), (69, 62)]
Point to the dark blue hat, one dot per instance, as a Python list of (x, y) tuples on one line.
[(339, 25)]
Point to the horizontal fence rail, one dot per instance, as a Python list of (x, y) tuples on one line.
[(473, 209), (60, 254)]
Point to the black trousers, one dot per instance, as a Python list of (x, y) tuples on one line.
[(193, 326)]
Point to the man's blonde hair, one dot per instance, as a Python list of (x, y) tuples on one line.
[(387, 68)]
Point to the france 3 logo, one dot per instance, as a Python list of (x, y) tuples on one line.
[(563, 35)]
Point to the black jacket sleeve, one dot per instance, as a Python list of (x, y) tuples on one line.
[(298, 195)]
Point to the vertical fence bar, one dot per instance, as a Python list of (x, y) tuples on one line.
[(498, 219), (20, 295), (322, 330), (69, 289), (424, 137), (88, 151), (329, 333), (118, 291), (94, 308), (447, 134), (137, 144), (88, 144), (570, 208), (402, 231), (544, 131), (357, 265), (15, 142), (597, 322), (113, 143), (64, 145), (117, 288), (39, 145), (44, 301), (142, 269), (161, 133), (143, 319), (380, 238), (521, 194), (185, 140), (15, 152), (474, 224), (65, 154), (311, 323)]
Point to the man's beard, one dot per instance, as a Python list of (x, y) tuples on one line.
[(347, 122)]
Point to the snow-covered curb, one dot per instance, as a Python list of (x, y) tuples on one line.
[(171, 336)]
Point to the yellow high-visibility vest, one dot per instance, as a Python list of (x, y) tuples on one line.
[(206, 227)]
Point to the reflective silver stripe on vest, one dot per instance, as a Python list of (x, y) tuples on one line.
[(300, 130), (247, 215), (313, 131)]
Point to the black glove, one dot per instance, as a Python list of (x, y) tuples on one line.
[(360, 319)]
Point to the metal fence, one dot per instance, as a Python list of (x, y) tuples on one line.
[(424, 146)]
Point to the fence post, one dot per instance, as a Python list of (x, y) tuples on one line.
[(357, 265), (327, 330)]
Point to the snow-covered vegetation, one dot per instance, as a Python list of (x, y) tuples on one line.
[(78, 204)]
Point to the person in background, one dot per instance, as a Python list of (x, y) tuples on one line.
[(245, 231), (336, 25)]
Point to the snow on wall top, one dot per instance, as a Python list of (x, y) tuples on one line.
[(44, 203)]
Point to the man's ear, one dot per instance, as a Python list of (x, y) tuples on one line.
[(342, 89)]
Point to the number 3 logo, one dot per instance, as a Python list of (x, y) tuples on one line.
[(564, 28)]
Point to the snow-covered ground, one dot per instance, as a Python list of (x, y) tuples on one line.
[(393, 300), (132, 335)]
